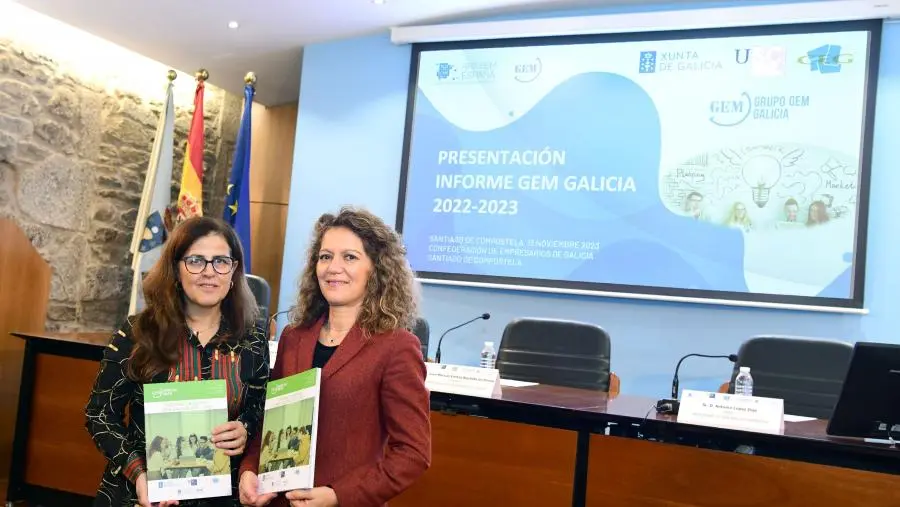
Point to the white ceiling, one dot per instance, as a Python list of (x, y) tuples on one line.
[(190, 34)]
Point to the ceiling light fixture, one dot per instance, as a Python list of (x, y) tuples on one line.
[(233, 25), (378, 2)]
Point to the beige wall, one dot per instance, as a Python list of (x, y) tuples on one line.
[(271, 160)]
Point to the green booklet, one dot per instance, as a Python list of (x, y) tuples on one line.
[(287, 457), (182, 461)]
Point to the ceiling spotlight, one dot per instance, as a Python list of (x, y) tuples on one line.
[(378, 2), (233, 24)]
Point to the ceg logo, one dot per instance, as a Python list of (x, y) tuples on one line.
[(826, 59)]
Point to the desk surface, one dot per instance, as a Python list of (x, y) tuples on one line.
[(638, 410), (86, 338), (561, 402)]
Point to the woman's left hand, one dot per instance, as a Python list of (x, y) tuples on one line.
[(316, 497), (231, 437)]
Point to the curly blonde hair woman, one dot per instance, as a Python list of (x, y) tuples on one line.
[(390, 300), (356, 300)]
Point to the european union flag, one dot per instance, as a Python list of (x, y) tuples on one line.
[(237, 199)]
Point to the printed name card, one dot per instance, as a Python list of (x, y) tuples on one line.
[(722, 410), (465, 380)]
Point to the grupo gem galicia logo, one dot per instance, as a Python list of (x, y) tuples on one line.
[(652, 62), (528, 71), (735, 111), (826, 59)]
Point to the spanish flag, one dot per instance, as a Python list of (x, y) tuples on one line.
[(190, 198)]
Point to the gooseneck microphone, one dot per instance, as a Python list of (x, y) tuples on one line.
[(437, 355), (671, 405)]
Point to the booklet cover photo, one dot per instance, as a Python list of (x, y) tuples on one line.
[(182, 462), (288, 448)]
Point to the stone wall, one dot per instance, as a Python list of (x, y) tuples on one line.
[(73, 158)]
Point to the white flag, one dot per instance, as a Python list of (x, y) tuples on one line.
[(149, 228)]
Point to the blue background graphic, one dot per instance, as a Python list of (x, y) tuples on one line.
[(611, 129)]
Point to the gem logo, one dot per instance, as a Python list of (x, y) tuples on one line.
[(728, 113), (826, 59), (528, 72), (733, 112)]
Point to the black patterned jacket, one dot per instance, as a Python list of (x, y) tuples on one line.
[(242, 361)]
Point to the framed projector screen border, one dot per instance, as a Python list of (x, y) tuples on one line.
[(723, 166)]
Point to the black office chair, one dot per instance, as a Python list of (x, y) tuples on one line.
[(557, 352), (263, 295), (807, 373), (423, 332)]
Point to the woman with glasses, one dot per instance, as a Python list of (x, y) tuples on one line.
[(198, 324)]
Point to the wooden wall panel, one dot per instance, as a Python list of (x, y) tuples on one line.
[(272, 153), (267, 241), (479, 461), (633, 473), (24, 294), (60, 453), (271, 163)]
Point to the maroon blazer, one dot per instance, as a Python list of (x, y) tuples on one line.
[(374, 429)]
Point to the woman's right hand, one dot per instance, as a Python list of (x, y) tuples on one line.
[(249, 491)]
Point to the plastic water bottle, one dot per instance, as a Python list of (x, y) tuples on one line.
[(488, 355), (743, 383)]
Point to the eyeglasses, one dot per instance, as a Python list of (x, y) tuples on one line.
[(222, 264)]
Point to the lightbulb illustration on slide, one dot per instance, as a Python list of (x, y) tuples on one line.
[(761, 172)]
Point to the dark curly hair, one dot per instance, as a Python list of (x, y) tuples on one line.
[(391, 300)]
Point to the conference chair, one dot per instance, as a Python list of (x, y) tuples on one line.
[(422, 331), (557, 352), (807, 373), (263, 295)]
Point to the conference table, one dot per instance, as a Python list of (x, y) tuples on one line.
[(531, 446)]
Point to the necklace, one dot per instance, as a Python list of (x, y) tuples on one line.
[(201, 331), (326, 333)]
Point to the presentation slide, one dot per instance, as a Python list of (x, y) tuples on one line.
[(725, 165)]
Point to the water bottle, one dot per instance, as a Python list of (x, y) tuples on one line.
[(488, 356), (743, 383)]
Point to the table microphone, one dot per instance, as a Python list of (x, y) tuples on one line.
[(671, 405), (437, 355)]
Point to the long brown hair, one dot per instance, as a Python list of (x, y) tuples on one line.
[(160, 327), (391, 300)]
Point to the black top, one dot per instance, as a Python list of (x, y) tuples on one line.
[(243, 362), (322, 354)]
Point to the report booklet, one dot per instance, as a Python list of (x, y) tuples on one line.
[(182, 462), (287, 451)]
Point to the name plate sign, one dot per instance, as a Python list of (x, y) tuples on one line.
[(465, 380), (722, 410)]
